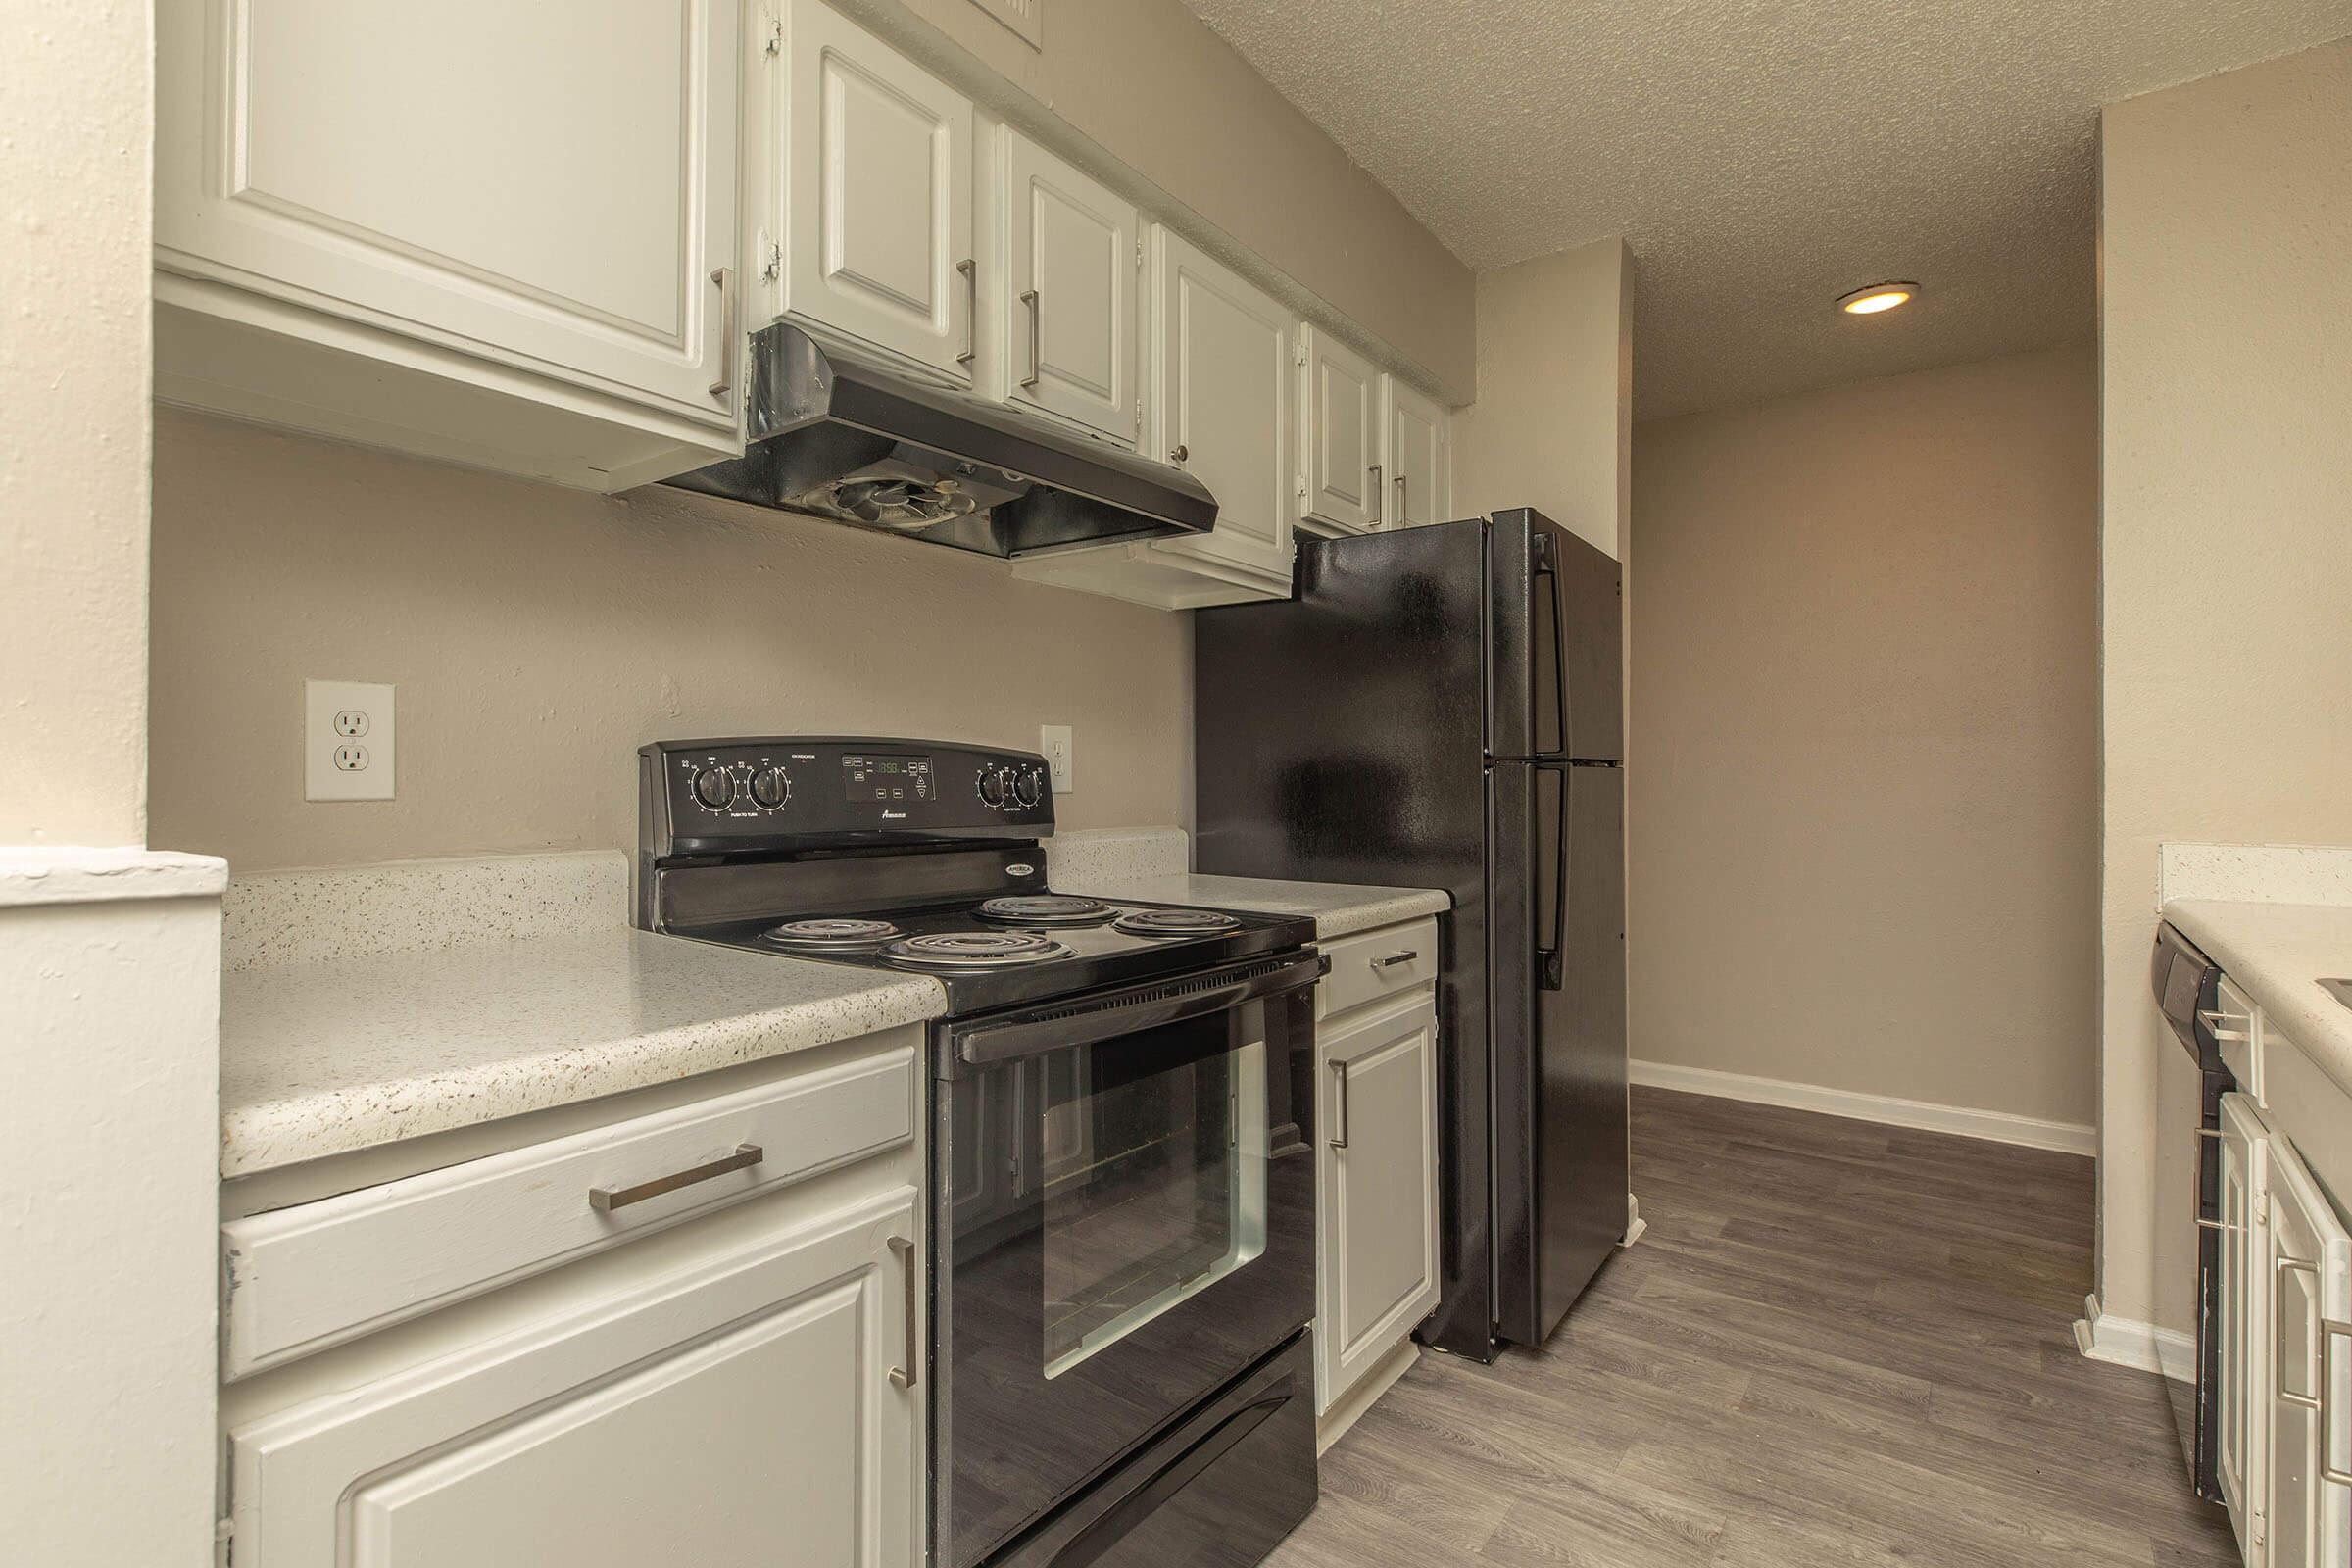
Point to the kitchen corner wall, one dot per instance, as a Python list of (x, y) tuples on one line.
[(1553, 427), (539, 635), (1864, 800), (2226, 557)]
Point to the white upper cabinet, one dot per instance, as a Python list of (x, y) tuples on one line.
[(525, 185), (1341, 433), (868, 229), (1067, 291), (1222, 414), (1417, 456)]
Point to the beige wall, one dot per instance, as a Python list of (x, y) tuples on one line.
[(1864, 797), (75, 118), (1149, 83), (538, 635), (2225, 236), (1552, 427)]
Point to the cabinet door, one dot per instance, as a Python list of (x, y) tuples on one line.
[(1341, 431), (1416, 457), (741, 1411), (1070, 291), (1223, 352), (2242, 1328), (2309, 1523), (876, 206), (1377, 1272), (548, 186)]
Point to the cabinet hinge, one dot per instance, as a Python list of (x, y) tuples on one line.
[(771, 258), (775, 36), (1138, 250), (1298, 354)]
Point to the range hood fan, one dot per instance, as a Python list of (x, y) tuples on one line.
[(841, 435)]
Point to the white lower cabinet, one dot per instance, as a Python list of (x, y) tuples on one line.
[(753, 1408), (2308, 1276), (1377, 1186), (2284, 1394), (2243, 1322)]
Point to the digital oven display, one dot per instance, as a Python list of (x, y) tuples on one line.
[(883, 776)]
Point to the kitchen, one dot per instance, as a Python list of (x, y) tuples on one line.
[(393, 1181)]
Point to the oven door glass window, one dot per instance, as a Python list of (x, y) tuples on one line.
[(1154, 1166)]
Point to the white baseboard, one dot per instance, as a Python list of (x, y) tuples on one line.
[(2124, 1341), (1997, 1126), (1366, 1394)]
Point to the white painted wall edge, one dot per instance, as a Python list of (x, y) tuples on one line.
[(34, 873), (1995, 1126), (2127, 1341)]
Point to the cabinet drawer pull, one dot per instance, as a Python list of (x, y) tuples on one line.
[(971, 311), (605, 1199), (1395, 959), (725, 277), (1339, 1104), (1036, 366), (905, 1377)]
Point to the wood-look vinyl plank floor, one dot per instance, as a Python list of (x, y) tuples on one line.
[(1838, 1344)]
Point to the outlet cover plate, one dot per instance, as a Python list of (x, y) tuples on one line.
[(347, 735), (1060, 751), (1026, 17)]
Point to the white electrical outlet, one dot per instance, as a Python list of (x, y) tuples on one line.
[(347, 731), (1054, 740)]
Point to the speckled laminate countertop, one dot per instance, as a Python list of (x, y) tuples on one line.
[(1339, 910), (2279, 952), (363, 1006)]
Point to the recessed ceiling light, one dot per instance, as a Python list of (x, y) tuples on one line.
[(1876, 298)]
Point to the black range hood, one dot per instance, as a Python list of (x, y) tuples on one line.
[(844, 435)]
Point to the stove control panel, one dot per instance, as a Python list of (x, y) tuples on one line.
[(710, 796)]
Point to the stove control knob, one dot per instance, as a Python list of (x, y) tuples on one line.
[(1027, 788), (714, 787), (992, 787), (772, 787)]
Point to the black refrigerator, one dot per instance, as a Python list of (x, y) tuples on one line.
[(1442, 708)]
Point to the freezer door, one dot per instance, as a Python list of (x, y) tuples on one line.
[(1556, 622), (1561, 1147)]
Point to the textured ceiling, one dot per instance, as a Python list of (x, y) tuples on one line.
[(1763, 156)]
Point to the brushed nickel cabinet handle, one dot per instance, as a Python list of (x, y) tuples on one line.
[(605, 1199), (971, 310), (906, 1376), (1374, 493), (1395, 959), (1338, 1105), (1179, 454), (725, 277), (1036, 358), (1402, 510)]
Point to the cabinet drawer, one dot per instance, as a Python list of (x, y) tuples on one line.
[(301, 1279), (1376, 964)]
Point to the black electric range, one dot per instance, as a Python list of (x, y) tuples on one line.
[(1122, 1150)]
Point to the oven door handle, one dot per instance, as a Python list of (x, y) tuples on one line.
[(1149, 1007)]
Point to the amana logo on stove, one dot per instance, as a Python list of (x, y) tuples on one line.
[(893, 816)]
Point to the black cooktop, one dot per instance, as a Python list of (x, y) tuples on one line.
[(1020, 948)]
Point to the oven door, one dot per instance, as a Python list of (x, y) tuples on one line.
[(1125, 1223)]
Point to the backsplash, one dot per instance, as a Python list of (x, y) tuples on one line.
[(2255, 873), (306, 916)]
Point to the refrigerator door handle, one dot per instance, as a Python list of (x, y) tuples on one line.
[(1551, 963), (1546, 566)]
